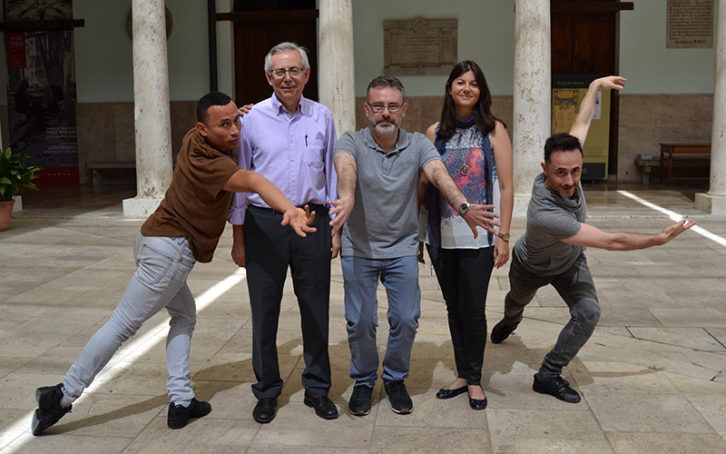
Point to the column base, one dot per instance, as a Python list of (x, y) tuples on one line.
[(521, 203), (711, 203), (138, 207), (18, 205)]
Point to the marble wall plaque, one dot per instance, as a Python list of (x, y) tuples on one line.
[(419, 46), (689, 23)]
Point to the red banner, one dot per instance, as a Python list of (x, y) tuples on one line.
[(16, 50)]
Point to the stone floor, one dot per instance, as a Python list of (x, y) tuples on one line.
[(651, 376)]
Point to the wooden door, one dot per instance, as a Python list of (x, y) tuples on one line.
[(584, 42), (258, 26)]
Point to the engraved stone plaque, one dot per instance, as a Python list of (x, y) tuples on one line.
[(689, 24), (419, 46)]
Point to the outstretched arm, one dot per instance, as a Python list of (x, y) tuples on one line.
[(248, 181), (590, 236), (587, 106), (478, 215)]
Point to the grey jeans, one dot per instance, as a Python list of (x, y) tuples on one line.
[(575, 286), (160, 281)]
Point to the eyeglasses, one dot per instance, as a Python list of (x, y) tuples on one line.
[(380, 107), (294, 71)]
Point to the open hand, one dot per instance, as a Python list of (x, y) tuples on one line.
[(299, 219), (677, 228), (482, 216)]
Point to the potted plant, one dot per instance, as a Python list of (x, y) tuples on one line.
[(14, 174)]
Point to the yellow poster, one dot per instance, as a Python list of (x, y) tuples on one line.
[(565, 103)]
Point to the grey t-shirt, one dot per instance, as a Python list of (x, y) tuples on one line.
[(384, 220), (550, 219)]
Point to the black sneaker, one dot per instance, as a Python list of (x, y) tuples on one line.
[(360, 400), (400, 400), (179, 415), (501, 331), (555, 386), (49, 409)]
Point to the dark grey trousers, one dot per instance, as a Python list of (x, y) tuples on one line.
[(575, 286), (271, 249)]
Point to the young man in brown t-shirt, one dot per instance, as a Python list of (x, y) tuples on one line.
[(184, 229)]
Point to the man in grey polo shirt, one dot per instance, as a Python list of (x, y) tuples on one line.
[(378, 175)]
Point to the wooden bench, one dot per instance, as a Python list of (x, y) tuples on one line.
[(683, 155), (97, 167)]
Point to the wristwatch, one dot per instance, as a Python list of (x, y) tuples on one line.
[(464, 208), (504, 236)]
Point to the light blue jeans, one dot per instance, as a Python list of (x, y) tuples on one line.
[(160, 281), (400, 278)]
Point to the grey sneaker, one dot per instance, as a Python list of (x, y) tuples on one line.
[(49, 409), (360, 400), (400, 400)]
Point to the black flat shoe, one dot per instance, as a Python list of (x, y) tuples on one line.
[(449, 393), (478, 404)]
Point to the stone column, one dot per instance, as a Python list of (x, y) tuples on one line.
[(336, 62), (714, 201), (532, 95), (152, 119)]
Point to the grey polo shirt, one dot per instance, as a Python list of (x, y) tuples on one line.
[(384, 220)]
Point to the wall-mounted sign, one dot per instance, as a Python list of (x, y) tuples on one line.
[(419, 46), (689, 23)]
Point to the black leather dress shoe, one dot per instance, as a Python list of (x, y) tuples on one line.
[(324, 407), (449, 393), (265, 409)]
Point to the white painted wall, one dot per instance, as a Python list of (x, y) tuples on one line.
[(104, 55), (649, 66), (486, 35)]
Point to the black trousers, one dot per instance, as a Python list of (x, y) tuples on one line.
[(270, 249), (463, 276)]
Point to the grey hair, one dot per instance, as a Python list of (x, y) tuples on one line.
[(285, 47), (386, 81)]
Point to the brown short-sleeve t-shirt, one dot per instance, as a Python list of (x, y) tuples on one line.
[(195, 205)]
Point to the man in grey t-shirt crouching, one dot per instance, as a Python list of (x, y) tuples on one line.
[(552, 248)]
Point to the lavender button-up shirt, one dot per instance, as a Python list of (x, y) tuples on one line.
[(293, 151)]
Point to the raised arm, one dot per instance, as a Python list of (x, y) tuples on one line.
[(590, 236), (587, 106), (477, 215)]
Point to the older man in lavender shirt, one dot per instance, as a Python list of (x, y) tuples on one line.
[(290, 140)]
